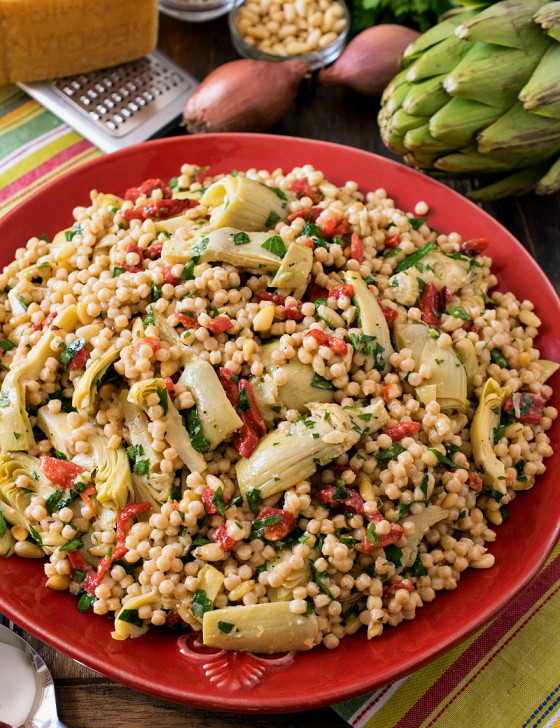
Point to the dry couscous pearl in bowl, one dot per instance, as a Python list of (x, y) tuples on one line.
[(314, 30)]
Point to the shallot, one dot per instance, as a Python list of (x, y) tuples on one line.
[(370, 60), (244, 95)]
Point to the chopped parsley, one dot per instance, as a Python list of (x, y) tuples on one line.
[(243, 403), (414, 258), (320, 382), (218, 501), (389, 453), (275, 245), (498, 358), (272, 219), (85, 602), (241, 238), (458, 312), (130, 616), (72, 545), (70, 351), (194, 428), (253, 498), (200, 603), (225, 627)]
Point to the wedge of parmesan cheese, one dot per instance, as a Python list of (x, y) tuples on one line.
[(44, 39)]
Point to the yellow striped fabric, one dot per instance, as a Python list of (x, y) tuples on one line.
[(36, 147), (505, 676)]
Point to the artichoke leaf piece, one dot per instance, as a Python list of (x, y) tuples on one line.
[(541, 94), (426, 97), (211, 581), (7, 543), (439, 59), (261, 628), (550, 181), (448, 383), (548, 368), (16, 432), (434, 35), (284, 458), (127, 622), (492, 74), (419, 140), (506, 24), (217, 415), (516, 131), (295, 267), (458, 122), (467, 354), (219, 246), (299, 389), (175, 431), (548, 17), (13, 499), (423, 521), (86, 387), (486, 418), (470, 161), (58, 431), (518, 183), (372, 319), (243, 203)]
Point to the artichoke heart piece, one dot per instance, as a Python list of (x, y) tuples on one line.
[(486, 418), (16, 432), (154, 486), (372, 320), (467, 353), (434, 267), (261, 628), (243, 203), (284, 458), (217, 415), (547, 369), (128, 623), (86, 387), (41, 269), (295, 267), (7, 543), (423, 521), (303, 385), (210, 581), (57, 430), (262, 250), (448, 383), (297, 577), (175, 431), (13, 499)]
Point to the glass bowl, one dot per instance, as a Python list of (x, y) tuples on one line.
[(195, 11), (317, 58)]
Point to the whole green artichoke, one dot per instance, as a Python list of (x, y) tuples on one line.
[(479, 97)]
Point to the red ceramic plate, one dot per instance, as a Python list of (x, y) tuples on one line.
[(186, 672)]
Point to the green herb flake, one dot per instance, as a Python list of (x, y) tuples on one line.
[(417, 222), (72, 545), (35, 536), (241, 238), (218, 501), (275, 245), (200, 603), (318, 579), (371, 534), (156, 292), (253, 498), (389, 453), (149, 320), (70, 351), (3, 525), (130, 616), (194, 428), (320, 382), (187, 274), (7, 345), (458, 312), (272, 219), (118, 271), (498, 358), (394, 554), (163, 399), (243, 403), (142, 467), (85, 602), (225, 627), (414, 258)]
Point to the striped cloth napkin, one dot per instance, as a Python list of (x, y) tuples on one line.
[(505, 676)]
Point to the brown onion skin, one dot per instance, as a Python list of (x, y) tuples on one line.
[(370, 60), (244, 95)]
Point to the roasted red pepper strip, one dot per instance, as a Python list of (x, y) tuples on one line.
[(151, 341), (85, 496), (390, 314), (61, 472), (339, 291), (207, 496), (94, 579), (293, 312), (433, 303), (402, 429), (168, 276), (246, 438), (525, 407), (147, 188), (333, 227), (301, 188), (220, 324), (393, 588), (80, 360), (356, 248), (353, 503), (335, 344), (475, 482), (474, 247), (309, 214), (279, 530), (47, 321), (252, 415), (393, 241), (223, 539), (394, 535), (124, 519), (273, 297), (229, 383), (169, 385), (153, 251), (315, 291), (339, 469), (189, 319), (158, 209)]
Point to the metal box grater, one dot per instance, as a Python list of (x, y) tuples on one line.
[(122, 105)]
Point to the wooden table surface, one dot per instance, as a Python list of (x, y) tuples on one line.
[(89, 700)]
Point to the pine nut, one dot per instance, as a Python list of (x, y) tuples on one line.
[(264, 318), (209, 552), (59, 582), (28, 550), (19, 533), (485, 562)]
